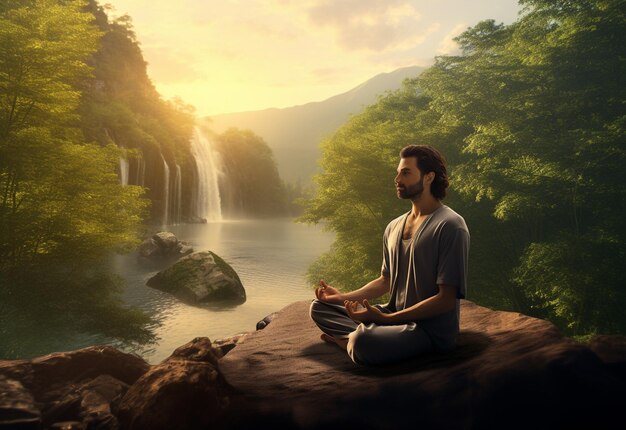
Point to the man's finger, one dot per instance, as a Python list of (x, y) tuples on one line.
[(348, 305), (349, 309)]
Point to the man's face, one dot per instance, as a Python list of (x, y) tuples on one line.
[(409, 181)]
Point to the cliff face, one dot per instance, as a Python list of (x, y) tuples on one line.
[(509, 370)]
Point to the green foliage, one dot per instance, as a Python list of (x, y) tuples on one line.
[(121, 105), (61, 206), (530, 118), (572, 280), (253, 187)]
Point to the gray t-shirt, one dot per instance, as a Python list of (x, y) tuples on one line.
[(436, 255)]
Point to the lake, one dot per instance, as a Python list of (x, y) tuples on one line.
[(271, 258)]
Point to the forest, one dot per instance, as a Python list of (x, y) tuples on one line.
[(531, 119), (76, 99)]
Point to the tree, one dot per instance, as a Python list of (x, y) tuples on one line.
[(544, 100), (252, 186), (531, 119), (61, 207)]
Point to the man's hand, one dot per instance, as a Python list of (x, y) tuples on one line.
[(367, 314), (329, 294)]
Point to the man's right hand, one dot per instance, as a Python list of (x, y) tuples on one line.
[(329, 294)]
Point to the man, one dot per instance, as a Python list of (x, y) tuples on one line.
[(425, 255)]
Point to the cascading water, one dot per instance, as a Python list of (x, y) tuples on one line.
[(141, 171), (166, 191), (124, 169), (177, 196), (207, 198)]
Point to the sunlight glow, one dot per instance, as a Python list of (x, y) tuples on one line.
[(236, 56)]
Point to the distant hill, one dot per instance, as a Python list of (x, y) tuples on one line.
[(294, 133)]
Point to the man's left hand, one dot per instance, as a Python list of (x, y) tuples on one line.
[(367, 314)]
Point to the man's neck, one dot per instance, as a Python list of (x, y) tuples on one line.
[(424, 205)]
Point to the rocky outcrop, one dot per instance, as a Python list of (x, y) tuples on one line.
[(17, 406), (102, 388), (509, 371), (163, 244), (200, 277), (84, 385), (185, 391)]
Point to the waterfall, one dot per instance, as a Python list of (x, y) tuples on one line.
[(207, 198), (166, 191), (141, 171), (177, 195), (124, 168)]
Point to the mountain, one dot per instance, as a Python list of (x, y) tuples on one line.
[(294, 133)]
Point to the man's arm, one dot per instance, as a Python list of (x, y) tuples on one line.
[(442, 302), (372, 289)]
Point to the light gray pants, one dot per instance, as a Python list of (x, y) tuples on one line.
[(371, 344)]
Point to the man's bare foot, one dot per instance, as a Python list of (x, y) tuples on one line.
[(327, 338), (341, 343)]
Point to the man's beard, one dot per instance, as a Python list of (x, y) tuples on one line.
[(413, 191)]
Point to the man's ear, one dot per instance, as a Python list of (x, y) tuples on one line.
[(429, 178)]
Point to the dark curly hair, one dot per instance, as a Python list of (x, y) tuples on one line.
[(430, 160)]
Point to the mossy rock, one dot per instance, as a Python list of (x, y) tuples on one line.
[(200, 277)]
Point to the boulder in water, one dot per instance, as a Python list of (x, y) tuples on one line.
[(200, 277), (165, 240), (149, 249), (164, 244)]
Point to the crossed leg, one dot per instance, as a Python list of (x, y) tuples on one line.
[(369, 344)]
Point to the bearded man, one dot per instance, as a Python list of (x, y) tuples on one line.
[(425, 259)]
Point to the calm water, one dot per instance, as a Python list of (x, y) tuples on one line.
[(270, 257)]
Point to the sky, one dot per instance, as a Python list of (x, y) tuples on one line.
[(239, 55)]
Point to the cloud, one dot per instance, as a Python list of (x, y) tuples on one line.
[(371, 25), (448, 46)]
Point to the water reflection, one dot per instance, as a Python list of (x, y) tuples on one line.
[(270, 257)]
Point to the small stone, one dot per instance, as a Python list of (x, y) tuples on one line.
[(265, 321)]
